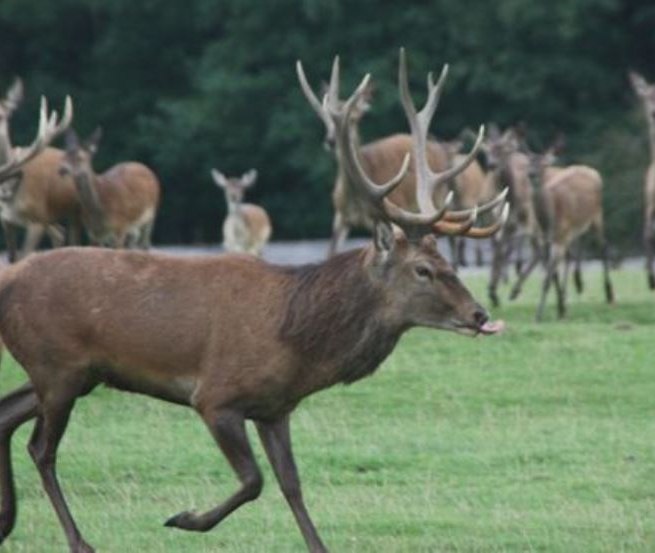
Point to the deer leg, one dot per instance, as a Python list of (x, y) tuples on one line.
[(145, 238), (459, 250), (518, 263), (15, 408), (48, 431), (339, 234), (479, 258), (551, 270), (497, 248), (276, 438), (56, 235), (577, 273), (525, 273), (229, 430), (560, 290), (9, 232), (33, 238), (74, 232)]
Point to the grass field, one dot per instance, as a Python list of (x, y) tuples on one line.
[(542, 439)]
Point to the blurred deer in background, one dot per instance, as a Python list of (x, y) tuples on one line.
[(32, 195), (118, 206), (232, 336), (380, 159), (568, 202), (509, 168), (247, 227), (646, 93)]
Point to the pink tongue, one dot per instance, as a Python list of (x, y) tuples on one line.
[(492, 327)]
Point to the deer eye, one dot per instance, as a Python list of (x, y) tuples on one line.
[(423, 272)]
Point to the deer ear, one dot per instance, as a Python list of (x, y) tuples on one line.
[(91, 143), (219, 178), (249, 178), (638, 83), (72, 141), (384, 239)]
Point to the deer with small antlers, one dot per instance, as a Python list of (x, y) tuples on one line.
[(646, 93), (568, 203), (380, 159), (232, 336), (32, 194), (118, 206), (247, 227)]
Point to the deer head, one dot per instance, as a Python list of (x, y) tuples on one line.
[(420, 287), (234, 187)]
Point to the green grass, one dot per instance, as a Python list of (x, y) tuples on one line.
[(542, 439)]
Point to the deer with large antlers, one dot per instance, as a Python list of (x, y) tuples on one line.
[(568, 202), (380, 159), (646, 93), (32, 194), (118, 206), (247, 227), (231, 336)]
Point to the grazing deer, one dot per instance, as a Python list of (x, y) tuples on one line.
[(33, 196), (568, 202), (247, 227), (380, 159), (646, 93), (232, 336), (118, 206), (508, 167)]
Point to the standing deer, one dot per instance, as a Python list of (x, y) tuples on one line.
[(118, 206), (380, 159), (568, 203), (646, 93), (34, 196), (232, 336), (247, 227)]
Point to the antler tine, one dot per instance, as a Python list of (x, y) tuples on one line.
[(312, 98), (463, 215), (454, 229), (467, 230), (455, 170), (335, 77)]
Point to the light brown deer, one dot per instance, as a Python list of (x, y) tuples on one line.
[(247, 227), (231, 336), (568, 203), (646, 93), (33, 196), (380, 159), (118, 206)]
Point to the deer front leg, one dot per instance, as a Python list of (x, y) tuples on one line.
[(229, 430), (56, 235), (9, 232), (33, 238), (276, 438), (525, 273)]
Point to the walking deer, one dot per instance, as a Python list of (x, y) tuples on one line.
[(32, 195), (568, 202), (118, 206), (380, 159), (247, 227), (232, 336), (646, 93)]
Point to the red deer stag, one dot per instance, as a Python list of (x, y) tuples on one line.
[(232, 336), (118, 206), (247, 227), (380, 159), (33, 196), (646, 93), (568, 202)]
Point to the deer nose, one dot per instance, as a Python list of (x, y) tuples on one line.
[(480, 316)]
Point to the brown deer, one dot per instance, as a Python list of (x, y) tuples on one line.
[(380, 159), (33, 196), (247, 227), (568, 202), (118, 206), (232, 336), (508, 167), (646, 93)]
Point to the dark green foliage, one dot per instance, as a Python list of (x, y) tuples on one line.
[(185, 86)]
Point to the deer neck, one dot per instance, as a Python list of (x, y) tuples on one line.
[(235, 208), (87, 189), (339, 299)]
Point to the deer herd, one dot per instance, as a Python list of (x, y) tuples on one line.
[(237, 338)]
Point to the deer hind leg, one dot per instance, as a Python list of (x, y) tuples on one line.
[(527, 270), (15, 408), (276, 438), (458, 246), (57, 235), (600, 235), (9, 232), (340, 231), (577, 271), (229, 430), (51, 424), (33, 238), (551, 272), (145, 235)]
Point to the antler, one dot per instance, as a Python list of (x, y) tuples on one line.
[(49, 129), (333, 92)]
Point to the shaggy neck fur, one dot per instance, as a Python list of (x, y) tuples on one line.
[(335, 316), (90, 201)]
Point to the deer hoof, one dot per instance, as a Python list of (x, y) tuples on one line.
[(186, 520), (83, 547)]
